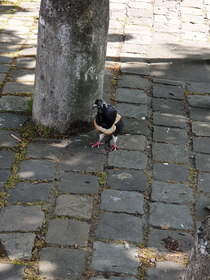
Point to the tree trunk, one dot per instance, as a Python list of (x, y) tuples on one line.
[(199, 264), (71, 54)]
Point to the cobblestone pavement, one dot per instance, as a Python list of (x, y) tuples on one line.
[(58, 222)]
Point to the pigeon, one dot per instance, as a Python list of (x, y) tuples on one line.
[(108, 122)]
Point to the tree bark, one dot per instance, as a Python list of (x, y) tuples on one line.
[(199, 264), (71, 52)]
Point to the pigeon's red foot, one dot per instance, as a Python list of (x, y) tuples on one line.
[(96, 144), (114, 148)]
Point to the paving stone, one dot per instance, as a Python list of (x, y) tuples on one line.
[(27, 192), (170, 215), (37, 170), (131, 96), (200, 207), (14, 103), (169, 152), (122, 201), (27, 21), (168, 81), (170, 135), (82, 162), (28, 51), (115, 258), (4, 176), (18, 245), (4, 68), (6, 159), (135, 126), (156, 242), (171, 92), (6, 140), (202, 162), (129, 81), (168, 106), (170, 120), (200, 114), (76, 206), (139, 68), (9, 48), (23, 75), (67, 232), (201, 128), (131, 142), (132, 111), (62, 263), (127, 159), (200, 87), (25, 62), (199, 101), (127, 180), (16, 29), (18, 88), (5, 58), (170, 172), (2, 77), (171, 193), (44, 151), (11, 271), (8, 120), (166, 270), (120, 227), (79, 183), (29, 218), (203, 182), (201, 145)]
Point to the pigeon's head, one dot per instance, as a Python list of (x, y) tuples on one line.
[(99, 103)]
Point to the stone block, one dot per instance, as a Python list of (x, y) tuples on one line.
[(202, 162), (201, 101), (200, 114), (18, 245), (6, 139), (11, 271), (25, 62), (201, 128), (168, 106), (5, 58), (139, 68), (170, 216), (79, 183), (131, 96), (170, 92), (170, 135), (115, 258), (6, 159), (127, 180), (21, 218), (4, 176), (204, 182), (62, 263), (4, 68), (135, 126), (8, 120), (132, 111), (67, 232), (28, 51), (131, 142), (135, 82), (14, 103), (76, 206), (200, 208), (18, 87), (23, 75), (201, 145), (2, 77), (198, 87), (122, 201), (170, 120), (166, 270), (127, 159), (170, 172), (37, 170), (50, 151)]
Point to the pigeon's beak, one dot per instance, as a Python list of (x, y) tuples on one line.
[(95, 105)]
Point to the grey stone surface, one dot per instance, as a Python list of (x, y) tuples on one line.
[(171, 92), (127, 159), (201, 145), (156, 242), (11, 271), (14, 103), (169, 152), (198, 87), (4, 175), (168, 106), (44, 151), (25, 62), (122, 201), (37, 170), (170, 120), (131, 111), (76, 206), (202, 162), (67, 232), (171, 193), (166, 270), (200, 114), (139, 68), (170, 135), (23, 75), (6, 159), (28, 51), (170, 215), (200, 208), (6, 139), (8, 120), (27, 192), (115, 258), (131, 96), (21, 218), (204, 182), (170, 172), (82, 162), (199, 101), (18, 245), (18, 87), (135, 126), (2, 77), (5, 58), (127, 180), (4, 68), (62, 263), (131, 142), (79, 183), (201, 128), (130, 81)]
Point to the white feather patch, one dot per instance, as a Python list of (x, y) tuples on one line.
[(105, 130)]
